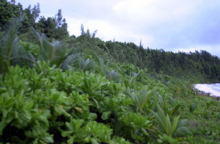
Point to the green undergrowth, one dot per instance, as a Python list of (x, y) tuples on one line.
[(48, 105), (203, 121), (54, 93), (51, 106)]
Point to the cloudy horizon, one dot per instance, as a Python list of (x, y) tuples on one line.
[(171, 25)]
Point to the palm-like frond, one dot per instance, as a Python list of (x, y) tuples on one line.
[(10, 43), (86, 65), (178, 127), (140, 99), (55, 52), (112, 76), (130, 81), (100, 66), (78, 61), (143, 96)]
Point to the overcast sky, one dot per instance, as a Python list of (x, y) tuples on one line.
[(172, 25)]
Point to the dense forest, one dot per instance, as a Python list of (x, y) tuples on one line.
[(57, 88), (197, 65)]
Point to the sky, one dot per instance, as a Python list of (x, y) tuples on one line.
[(171, 25)]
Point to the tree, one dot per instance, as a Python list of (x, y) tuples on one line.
[(30, 19), (140, 45), (59, 18), (13, 2), (6, 12), (17, 9), (20, 7), (82, 30), (36, 11), (94, 33), (53, 27), (47, 26)]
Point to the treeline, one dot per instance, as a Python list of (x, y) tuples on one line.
[(53, 27), (200, 65)]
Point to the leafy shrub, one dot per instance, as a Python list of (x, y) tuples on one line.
[(47, 105)]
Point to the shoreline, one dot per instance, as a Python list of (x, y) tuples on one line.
[(207, 89), (212, 97), (202, 93)]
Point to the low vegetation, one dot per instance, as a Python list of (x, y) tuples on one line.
[(63, 92)]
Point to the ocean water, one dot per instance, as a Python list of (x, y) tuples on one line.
[(213, 89)]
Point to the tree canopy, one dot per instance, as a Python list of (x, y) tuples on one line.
[(53, 27), (199, 64)]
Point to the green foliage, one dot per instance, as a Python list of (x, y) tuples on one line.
[(170, 129), (53, 27), (78, 61), (208, 102), (92, 132), (119, 140), (175, 105), (45, 104), (195, 66), (56, 53), (140, 99), (63, 92), (192, 107), (136, 125), (6, 13), (31, 48), (167, 139), (9, 46), (114, 106)]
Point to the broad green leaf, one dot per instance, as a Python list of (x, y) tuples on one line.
[(48, 139), (26, 114), (71, 140), (66, 133), (106, 115), (93, 141), (174, 126)]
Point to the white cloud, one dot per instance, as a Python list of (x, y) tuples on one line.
[(168, 24), (154, 11), (107, 31)]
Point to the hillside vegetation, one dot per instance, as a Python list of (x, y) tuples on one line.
[(56, 88), (198, 65)]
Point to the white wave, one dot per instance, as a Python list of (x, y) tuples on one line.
[(213, 89)]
